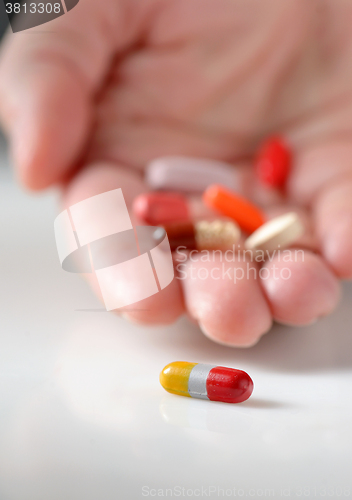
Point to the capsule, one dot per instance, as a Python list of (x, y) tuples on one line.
[(203, 235), (214, 383), (273, 162), (160, 207), (247, 215), (190, 175)]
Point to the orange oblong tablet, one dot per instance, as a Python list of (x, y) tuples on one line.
[(248, 216)]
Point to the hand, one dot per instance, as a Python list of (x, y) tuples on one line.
[(119, 82)]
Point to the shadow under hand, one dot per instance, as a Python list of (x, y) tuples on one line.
[(323, 346)]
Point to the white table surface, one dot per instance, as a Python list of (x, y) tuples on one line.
[(83, 417)]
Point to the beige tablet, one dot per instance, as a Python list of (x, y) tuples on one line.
[(277, 233)]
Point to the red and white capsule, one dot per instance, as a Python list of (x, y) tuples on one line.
[(214, 383)]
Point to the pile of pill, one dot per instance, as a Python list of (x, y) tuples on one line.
[(190, 221)]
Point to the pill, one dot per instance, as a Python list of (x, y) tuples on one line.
[(202, 235), (158, 207), (246, 214), (178, 173), (214, 383), (273, 162), (277, 233)]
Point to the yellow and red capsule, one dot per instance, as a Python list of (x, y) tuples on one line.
[(215, 383)]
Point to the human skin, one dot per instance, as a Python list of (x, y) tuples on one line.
[(116, 83)]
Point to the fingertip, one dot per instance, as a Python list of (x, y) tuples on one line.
[(238, 342), (164, 308), (301, 289), (49, 128), (337, 246), (101, 176), (230, 313), (333, 217)]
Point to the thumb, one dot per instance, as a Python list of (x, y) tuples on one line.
[(48, 80)]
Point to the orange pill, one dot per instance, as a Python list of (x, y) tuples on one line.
[(248, 216)]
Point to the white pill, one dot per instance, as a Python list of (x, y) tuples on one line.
[(179, 173), (277, 233)]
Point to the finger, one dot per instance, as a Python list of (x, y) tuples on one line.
[(316, 167), (299, 286), (322, 179), (225, 299), (333, 217), (165, 306), (48, 82)]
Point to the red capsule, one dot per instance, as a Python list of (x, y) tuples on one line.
[(228, 385), (273, 162), (158, 208), (161, 208)]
